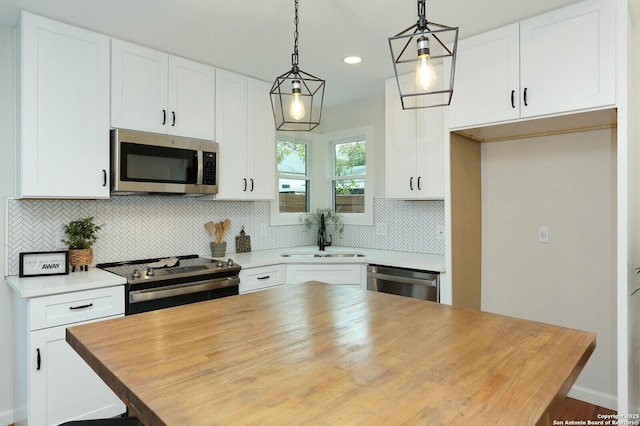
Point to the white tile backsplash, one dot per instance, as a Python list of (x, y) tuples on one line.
[(137, 227)]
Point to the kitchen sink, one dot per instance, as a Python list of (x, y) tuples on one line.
[(311, 255)]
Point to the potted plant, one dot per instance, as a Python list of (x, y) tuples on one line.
[(81, 234), (330, 218)]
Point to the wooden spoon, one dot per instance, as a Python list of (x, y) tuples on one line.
[(211, 228), (225, 227), (218, 232)]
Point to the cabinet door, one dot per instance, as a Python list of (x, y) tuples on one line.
[(138, 88), (191, 99), (400, 179), (231, 134), (568, 59), (261, 151), (261, 278), (64, 111), (342, 274), (487, 77), (62, 386), (430, 150)]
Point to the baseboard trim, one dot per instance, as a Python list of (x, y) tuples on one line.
[(594, 397), (6, 417)]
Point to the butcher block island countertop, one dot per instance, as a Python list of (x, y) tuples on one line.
[(321, 354)]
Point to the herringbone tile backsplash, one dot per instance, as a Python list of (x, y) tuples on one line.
[(138, 227)]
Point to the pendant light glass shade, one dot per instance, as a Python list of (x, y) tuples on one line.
[(296, 97), (424, 59)]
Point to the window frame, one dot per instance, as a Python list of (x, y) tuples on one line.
[(336, 138), (293, 218), (320, 172)]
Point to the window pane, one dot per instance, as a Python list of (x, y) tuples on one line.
[(292, 158), (348, 195), (293, 195), (351, 158)]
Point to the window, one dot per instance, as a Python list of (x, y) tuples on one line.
[(293, 176), (349, 173), (329, 170)]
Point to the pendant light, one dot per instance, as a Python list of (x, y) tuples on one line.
[(296, 97), (424, 59)]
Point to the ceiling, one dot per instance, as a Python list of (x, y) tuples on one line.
[(255, 38)]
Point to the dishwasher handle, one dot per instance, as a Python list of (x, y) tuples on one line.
[(399, 279)]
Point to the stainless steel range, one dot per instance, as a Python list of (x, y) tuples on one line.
[(165, 282)]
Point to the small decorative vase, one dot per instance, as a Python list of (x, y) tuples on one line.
[(81, 258), (218, 249)]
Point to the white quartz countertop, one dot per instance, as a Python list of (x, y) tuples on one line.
[(427, 262), (28, 287)]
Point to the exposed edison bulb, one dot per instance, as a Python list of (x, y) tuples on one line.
[(296, 110), (425, 73)]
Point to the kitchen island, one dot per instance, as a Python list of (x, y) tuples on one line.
[(320, 354)]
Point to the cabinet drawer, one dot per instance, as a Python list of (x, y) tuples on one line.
[(253, 279), (69, 308), (329, 273)]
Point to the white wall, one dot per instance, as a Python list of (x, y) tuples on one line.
[(567, 183), (630, 339), (6, 189), (360, 113)]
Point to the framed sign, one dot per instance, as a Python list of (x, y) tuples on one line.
[(37, 264)]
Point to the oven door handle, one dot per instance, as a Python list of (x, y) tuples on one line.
[(406, 280), (181, 289)]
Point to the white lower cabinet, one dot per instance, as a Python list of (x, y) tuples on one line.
[(261, 278), (53, 384), (353, 275)]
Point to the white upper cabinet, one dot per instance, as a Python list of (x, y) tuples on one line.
[(246, 133), (562, 61), (191, 99), (156, 92), (63, 110), (567, 59), (487, 78), (414, 140), (261, 155)]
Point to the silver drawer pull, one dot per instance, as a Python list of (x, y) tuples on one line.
[(88, 305)]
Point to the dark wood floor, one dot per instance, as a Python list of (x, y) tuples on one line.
[(574, 409)]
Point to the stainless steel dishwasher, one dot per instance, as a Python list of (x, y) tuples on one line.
[(414, 283)]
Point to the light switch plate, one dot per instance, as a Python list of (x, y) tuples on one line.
[(543, 234)]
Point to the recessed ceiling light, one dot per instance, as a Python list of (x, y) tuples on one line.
[(352, 60)]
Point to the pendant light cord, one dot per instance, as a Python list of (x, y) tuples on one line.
[(422, 13), (294, 56)]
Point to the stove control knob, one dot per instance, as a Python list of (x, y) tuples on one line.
[(135, 274), (230, 262), (220, 264), (149, 272)]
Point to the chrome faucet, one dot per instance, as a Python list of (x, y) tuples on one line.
[(322, 235)]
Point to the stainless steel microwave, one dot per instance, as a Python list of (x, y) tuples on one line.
[(153, 163)]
